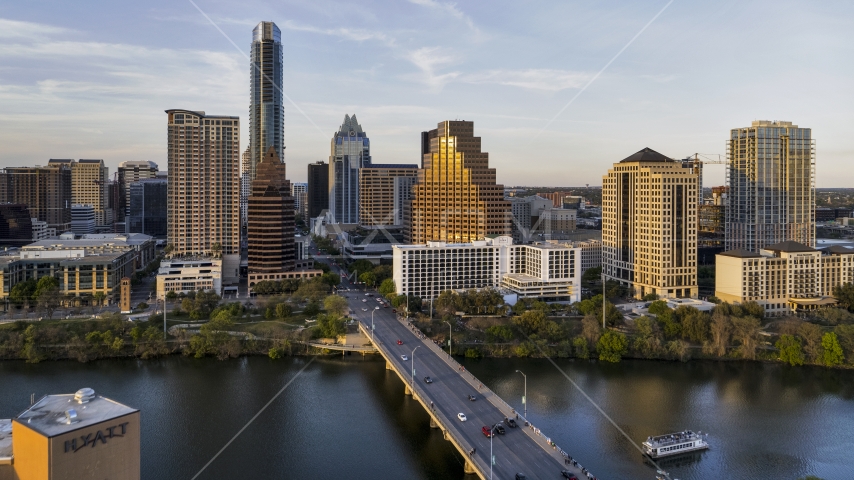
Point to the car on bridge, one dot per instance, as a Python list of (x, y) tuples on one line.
[(568, 475), (510, 422), (400, 342), (472, 398), (486, 431), (364, 309), (428, 380), (499, 428), (404, 358), (365, 300), (461, 416), (521, 476)]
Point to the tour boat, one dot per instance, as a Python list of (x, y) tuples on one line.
[(674, 443)]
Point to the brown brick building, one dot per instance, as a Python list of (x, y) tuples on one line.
[(270, 218), (456, 198)]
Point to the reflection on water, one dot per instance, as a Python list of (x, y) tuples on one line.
[(763, 420), (348, 417)]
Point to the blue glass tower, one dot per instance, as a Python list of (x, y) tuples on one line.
[(266, 110)]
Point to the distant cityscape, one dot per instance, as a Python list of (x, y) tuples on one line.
[(226, 220)]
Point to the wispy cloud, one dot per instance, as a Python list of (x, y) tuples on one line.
[(531, 79), (19, 29), (355, 34), (660, 77), (429, 60), (447, 8)]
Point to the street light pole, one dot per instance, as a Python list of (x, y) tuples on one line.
[(164, 316), (450, 332), (604, 301), (412, 377), (491, 435), (525, 397), (372, 325)]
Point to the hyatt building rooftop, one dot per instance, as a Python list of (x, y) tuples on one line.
[(55, 415)]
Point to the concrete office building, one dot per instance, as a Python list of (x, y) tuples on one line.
[(90, 181), (204, 187), (771, 180), (382, 194), (549, 271), (245, 185), (784, 278), (80, 273), (350, 152), (16, 226), (456, 198), (148, 207), (143, 246), (82, 219), (318, 189), (299, 191), (131, 172), (46, 190), (80, 435), (41, 230), (402, 197), (649, 225), (271, 220), (189, 275)]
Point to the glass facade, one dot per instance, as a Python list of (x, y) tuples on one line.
[(350, 151), (266, 110), (771, 180), (148, 211)]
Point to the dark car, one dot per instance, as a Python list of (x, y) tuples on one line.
[(486, 431), (472, 398), (428, 380), (521, 476), (568, 475), (510, 422), (499, 428)]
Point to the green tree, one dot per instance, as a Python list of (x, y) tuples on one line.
[(645, 326), (658, 307), (845, 295), (650, 297), (721, 330), (531, 322), (368, 278), (331, 279), (330, 326), (283, 311), (612, 346), (23, 292), (499, 333), (579, 348), (746, 332), (845, 335), (311, 309), (387, 288), (831, 350), (360, 266), (335, 305), (47, 295), (99, 298), (811, 333), (790, 350)]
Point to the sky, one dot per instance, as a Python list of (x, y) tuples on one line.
[(558, 91)]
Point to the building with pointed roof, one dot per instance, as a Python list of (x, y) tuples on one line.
[(649, 225), (266, 109), (785, 277), (456, 198), (350, 151)]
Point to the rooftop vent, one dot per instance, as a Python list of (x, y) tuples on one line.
[(84, 395), (70, 416)]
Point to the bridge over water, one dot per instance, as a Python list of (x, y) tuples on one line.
[(524, 449)]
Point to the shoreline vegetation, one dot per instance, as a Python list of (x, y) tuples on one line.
[(295, 313)]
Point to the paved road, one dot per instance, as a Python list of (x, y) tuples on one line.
[(517, 451)]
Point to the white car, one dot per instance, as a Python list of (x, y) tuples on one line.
[(376, 308), (462, 417), (364, 309), (365, 300), (404, 358)]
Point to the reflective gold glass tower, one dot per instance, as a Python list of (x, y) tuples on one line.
[(456, 198)]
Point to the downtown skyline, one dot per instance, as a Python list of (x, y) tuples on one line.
[(510, 70)]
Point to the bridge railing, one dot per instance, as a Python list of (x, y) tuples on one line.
[(532, 431)]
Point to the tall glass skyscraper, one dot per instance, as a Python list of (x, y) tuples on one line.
[(266, 110), (350, 151), (771, 180)]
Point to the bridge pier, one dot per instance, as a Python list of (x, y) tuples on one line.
[(469, 468), (388, 365), (433, 423), (407, 390)]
